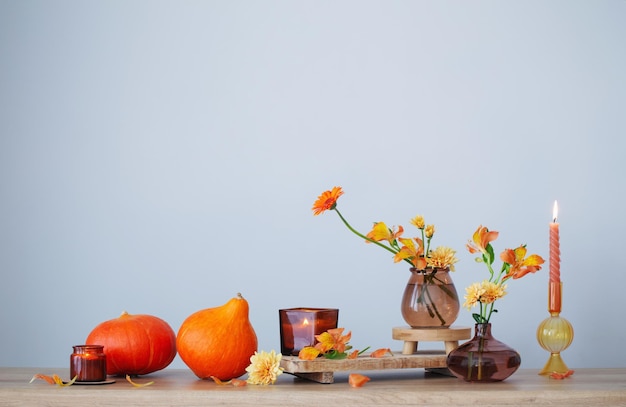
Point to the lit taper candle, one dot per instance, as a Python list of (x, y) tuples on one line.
[(555, 251)]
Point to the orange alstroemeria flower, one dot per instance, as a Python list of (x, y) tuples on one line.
[(411, 251), (520, 266), (481, 238), (327, 200), (308, 353), (380, 232), (332, 339)]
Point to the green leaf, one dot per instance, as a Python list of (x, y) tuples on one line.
[(333, 354), (479, 318), (492, 256)]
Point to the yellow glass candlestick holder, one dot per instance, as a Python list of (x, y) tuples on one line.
[(555, 333)]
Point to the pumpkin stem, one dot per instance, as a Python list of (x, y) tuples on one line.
[(239, 296)]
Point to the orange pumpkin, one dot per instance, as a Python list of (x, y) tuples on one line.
[(135, 344), (218, 342)]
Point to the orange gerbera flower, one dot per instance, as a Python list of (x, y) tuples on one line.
[(481, 238), (327, 200), (380, 232), (520, 266)]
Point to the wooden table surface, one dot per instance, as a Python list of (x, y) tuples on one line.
[(179, 387)]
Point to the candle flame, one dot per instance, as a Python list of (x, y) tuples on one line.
[(555, 212), (305, 322)]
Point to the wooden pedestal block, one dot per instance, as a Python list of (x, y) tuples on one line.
[(322, 370), (412, 336)]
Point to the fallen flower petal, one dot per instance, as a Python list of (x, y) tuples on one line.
[(357, 380), (48, 379), (61, 383), (128, 379), (54, 379), (239, 382), (561, 376), (218, 381), (379, 353), (234, 382)]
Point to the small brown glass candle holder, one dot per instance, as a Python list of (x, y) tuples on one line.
[(298, 327), (88, 363)]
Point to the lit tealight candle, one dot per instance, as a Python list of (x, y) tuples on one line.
[(298, 327)]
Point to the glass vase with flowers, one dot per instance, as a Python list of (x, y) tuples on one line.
[(430, 298), (484, 358)]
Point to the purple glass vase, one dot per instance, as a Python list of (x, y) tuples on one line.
[(483, 358)]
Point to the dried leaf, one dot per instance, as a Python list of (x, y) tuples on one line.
[(357, 380), (128, 379)]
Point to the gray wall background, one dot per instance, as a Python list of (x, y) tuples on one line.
[(159, 157)]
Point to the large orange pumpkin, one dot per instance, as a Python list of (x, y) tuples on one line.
[(135, 344), (218, 341)]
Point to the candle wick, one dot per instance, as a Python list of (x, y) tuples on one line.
[(554, 220)]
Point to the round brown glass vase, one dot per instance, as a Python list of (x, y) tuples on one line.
[(430, 299), (483, 358)]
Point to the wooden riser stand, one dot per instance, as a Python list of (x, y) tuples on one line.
[(322, 370)]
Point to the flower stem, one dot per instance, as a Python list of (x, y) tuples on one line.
[(345, 222), (443, 321)]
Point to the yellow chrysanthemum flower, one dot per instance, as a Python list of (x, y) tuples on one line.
[(492, 292), (429, 231), (472, 295), (418, 222), (264, 368), (442, 257), (486, 292)]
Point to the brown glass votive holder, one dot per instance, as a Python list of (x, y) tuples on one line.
[(298, 327), (88, 363)]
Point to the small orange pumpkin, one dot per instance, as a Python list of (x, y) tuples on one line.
[(218, 342), (135, 344)]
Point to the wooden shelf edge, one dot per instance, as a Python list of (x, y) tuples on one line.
[(421, 359)]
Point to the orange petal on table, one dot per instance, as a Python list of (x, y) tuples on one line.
[(48, 379), (239, 382), (357, 380), (61, 383), (379, 353), (54, 379), (218, 381), (353, 355), (128, 379), (561, 376)]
